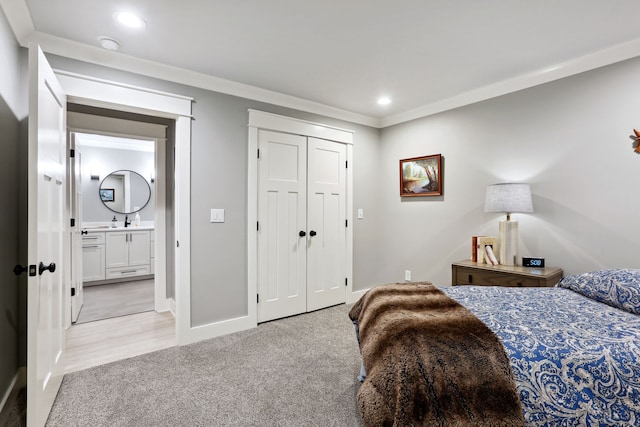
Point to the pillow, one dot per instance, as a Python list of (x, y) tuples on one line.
[(618, 288)]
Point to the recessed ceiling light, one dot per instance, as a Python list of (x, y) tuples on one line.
[(130, 20), (109, 43), (384, 100)]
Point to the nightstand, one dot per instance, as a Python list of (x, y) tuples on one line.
[(472, 273)]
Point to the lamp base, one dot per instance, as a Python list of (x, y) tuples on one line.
[(508, 242)]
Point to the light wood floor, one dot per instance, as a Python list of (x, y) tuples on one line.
[(104, 341), (116, 299)]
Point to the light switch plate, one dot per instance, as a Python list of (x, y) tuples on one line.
[(360, 213), (217, 215)]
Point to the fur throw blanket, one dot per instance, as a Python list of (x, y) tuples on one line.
[(430, 362)]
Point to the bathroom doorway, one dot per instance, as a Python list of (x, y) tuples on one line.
[(124, 211)]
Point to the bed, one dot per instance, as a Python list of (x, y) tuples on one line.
[(573, 350)]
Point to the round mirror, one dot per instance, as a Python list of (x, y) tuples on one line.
[(125, 191)]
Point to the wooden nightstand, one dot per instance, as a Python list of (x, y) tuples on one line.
[(472, 273)]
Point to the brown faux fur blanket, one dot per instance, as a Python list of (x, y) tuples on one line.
[(430, 362)]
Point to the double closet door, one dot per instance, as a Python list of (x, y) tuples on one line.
[(301, 224)]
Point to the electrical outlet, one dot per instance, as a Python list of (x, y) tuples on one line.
[(407, 275)]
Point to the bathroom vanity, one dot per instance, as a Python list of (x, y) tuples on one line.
[(117, 253)]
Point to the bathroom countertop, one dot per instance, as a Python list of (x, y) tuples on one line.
[(107, 228)]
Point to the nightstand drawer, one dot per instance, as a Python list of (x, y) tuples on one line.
[(471, 273), (468, 276)]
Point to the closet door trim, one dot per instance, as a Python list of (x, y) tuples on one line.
[(274, 122)]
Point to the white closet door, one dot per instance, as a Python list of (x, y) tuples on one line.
[(326, 252), (282, 187)]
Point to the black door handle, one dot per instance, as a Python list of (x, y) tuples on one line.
[(312, 233), (302, 234), (19, 269), (42, 268), (84, 232)]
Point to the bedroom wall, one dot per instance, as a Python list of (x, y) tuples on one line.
[(569, 139), (219, 153), (11, 113)]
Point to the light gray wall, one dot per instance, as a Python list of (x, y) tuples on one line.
[(110, 160), (219, 180), (12, 98), (569, 139)]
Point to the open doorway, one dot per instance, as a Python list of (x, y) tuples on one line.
[(115, 190), (129, 269)]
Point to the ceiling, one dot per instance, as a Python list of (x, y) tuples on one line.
[(336, 57)]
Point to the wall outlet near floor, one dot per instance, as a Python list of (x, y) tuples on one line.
[(407, 275)]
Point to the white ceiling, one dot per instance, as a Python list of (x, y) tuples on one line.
[(335, 57)]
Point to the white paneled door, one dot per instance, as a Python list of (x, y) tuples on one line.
[(301, 224), (282, 210), (46, 231), (326, 249)]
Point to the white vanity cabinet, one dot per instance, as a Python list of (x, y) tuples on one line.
[(128, 253), (93, 257)]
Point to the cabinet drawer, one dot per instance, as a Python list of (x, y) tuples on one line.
[(469, 276), (119, 272), (93, 239)]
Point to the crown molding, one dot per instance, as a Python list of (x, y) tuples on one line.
[(20, 21), (579, 65), (95, 55)]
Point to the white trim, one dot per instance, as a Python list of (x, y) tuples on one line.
[(23, 28), (103, 93), (182, 205), (354, 296), (278, 123), (569, 68), (261, 120), (89, 91), (160, 225)]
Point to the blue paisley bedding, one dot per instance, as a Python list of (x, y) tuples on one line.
[(574, 349)]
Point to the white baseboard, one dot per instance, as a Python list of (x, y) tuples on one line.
[(19, 381), (355, 296), (172, 306)]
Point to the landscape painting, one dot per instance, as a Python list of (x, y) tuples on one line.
[(421, 176)]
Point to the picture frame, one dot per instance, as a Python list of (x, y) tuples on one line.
[(107, 194), (421, 176)]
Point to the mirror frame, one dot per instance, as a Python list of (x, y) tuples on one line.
[(110, 196)]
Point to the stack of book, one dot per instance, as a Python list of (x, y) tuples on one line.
[(483, 249)]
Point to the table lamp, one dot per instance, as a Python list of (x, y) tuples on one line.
[(508, 198)]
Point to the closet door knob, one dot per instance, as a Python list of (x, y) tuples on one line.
[(312, 233), (42, 268), (302, 234)]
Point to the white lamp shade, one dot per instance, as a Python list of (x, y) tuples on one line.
[(508, 198)]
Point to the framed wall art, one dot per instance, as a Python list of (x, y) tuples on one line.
[(106, 194), (421, 176)]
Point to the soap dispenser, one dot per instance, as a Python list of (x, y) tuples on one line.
[(136, 220), (114, 222)]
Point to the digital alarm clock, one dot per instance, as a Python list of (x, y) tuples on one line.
[(532, 262)]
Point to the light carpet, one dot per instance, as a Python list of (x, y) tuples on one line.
[(298, 371)]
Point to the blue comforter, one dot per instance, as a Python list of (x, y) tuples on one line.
[(576, 360)]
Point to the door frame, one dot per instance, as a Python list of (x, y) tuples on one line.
[(260, 120), (90, 91)]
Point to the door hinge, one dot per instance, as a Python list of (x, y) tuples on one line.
[(73, 222), (257, 225), (73, 292), (258, 153), (258, 298), (177, 243), (346, 164), (72, 153), (346, 222), (345, 281)]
